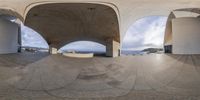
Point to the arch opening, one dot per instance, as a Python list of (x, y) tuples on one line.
[(32, 41), (84, 47), (61, 23), (146, 35)]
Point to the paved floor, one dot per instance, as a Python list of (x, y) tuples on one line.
[(54, 77)]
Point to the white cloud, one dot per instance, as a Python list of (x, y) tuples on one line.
[(84, 46), (155, 33), (144, 33), (32, 38)]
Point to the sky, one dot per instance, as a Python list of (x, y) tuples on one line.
[(144, 33), (32, 38), (88, 46)]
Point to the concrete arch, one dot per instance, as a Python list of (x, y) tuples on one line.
[(11, 12), (104, 3), (194, 10), (168, 31), (81, 20), (59, 23), (168, 34)]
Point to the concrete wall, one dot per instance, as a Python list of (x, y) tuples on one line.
[(8, 37), (186, 35)]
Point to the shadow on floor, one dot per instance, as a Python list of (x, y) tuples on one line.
[(21, 59), (189, 59)]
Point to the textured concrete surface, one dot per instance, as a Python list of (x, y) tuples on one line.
[(55, 77)]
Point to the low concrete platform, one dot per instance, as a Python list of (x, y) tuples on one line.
[(79, 55), (55, 77)]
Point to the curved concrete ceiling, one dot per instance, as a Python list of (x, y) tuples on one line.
[(61, 23), (129, 10)]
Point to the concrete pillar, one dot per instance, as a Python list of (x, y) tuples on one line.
[(168, 34), (112, 48), (19, 38), (53, 50), (8, 36)]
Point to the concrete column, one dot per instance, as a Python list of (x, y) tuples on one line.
[(19, 38), (168, 34), (53, 50), (112, 48), (8, 36)]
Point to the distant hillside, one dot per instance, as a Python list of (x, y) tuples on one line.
[(131, 52), (152, 50)]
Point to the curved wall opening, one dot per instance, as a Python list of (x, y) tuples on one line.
[(61, 23), (146, 35), (84, 47), (32, 40)]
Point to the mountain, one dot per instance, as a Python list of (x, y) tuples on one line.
[(152, 50)]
